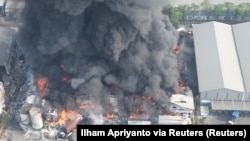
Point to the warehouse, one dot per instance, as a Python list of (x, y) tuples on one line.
[(221, 52)]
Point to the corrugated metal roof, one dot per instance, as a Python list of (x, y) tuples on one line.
[(231, 105), (216, 57), (241, 34), (182, 101), (6, 36)]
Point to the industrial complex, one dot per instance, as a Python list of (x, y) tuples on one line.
[(23, 102), (115, 72)]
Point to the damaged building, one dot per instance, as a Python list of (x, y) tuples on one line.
[(223, 71), (84, 69)]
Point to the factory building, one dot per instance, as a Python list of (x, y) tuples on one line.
[(221, 52)]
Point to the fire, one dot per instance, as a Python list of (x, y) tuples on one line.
[(176, 49), (177, 91), (66, 79), (71, 115), (64, 115), (42, 83), (87, 106), (182, 87), (148, 98), (110, 116), (182, 84), (137, 116), (140, 109)]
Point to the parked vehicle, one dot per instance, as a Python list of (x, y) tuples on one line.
[(235, 115)]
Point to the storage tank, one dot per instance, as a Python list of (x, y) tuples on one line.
[(24, 115), (36, 118)]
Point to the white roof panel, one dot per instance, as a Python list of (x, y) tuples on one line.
[(242, 41), (216, 57), (182, 101)]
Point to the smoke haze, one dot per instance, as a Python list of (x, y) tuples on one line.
[(101, 47)]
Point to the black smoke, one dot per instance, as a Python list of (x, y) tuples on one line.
[(101, 47)]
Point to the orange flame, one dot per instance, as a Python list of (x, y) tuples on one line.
[(140, 109), (176, 49), (137, 116), (42, 85), (182, 84), (110, 116), (149, 98), (63, 116), (66, 79), (177, 91)]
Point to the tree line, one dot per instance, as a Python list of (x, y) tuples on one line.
[(227, 9)]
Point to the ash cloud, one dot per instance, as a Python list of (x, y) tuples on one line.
[(101, 43)]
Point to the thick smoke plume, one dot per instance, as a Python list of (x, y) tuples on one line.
[(101, 47)]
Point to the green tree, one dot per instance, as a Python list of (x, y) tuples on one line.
[(174, 15), (229, 6), (247, 12), (195, 7), (218, 10), (185, 9), (240, 10), (206, 5)]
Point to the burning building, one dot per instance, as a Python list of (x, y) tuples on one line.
[(66, 130), (109, 61), (222, 65)]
